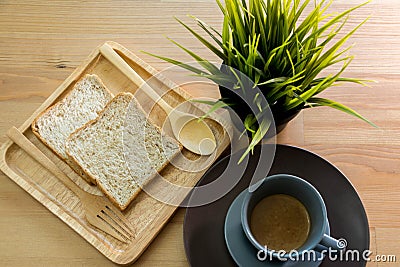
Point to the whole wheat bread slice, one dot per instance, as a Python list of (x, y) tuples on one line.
[(122, 150), (82, 104)]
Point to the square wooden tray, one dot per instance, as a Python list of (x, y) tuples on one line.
[(146, 214)]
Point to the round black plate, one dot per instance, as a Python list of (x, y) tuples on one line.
[(203, 228)]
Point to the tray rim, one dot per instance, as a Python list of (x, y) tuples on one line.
[(47, 202)]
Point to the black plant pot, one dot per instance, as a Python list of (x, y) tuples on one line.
[(282, 119), (242, 109)]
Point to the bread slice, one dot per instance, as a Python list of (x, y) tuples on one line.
[(121, 149), (53, 126)]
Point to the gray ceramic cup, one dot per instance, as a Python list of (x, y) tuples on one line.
[(306, 194)]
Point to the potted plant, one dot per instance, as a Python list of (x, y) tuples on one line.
[(287, 54)]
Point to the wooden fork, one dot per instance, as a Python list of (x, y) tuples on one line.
[(99, 211)]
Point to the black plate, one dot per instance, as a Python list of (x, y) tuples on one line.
[(203, 229)]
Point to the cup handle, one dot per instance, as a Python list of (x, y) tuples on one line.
[(330, 242)]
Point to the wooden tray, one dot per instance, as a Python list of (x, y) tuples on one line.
[(147, 215)]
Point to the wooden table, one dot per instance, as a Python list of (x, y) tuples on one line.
[(42, 42)]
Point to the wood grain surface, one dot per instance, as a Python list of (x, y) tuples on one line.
[(42, 42)]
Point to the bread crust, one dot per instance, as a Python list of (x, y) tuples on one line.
[(76, 167), (89, 123)]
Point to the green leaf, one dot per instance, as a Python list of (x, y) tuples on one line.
[(249, 123), (204, 41), (178, 63), (214, 106), (274, 80), (291, 62), (306, 95), (206, 28), (330, 103), (204, 63), (257, 137)]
